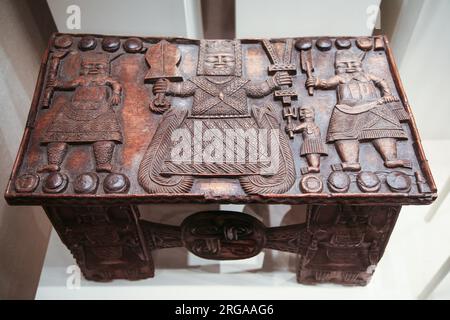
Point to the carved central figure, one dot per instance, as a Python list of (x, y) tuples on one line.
[(220, 90), (219, 104)]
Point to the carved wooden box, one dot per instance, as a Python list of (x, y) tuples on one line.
[(121, 121)]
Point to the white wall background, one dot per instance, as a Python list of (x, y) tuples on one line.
[(178, 18), (24, 231), (294, 18), (421, 45)]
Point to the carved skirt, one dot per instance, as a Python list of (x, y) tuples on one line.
[(75, 124), (313, 146), (160, 172), (378, 122)]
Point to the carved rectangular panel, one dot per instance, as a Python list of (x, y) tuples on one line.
[(132, 120)]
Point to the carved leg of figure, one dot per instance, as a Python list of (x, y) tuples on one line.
[(348, 151), (56, 152), (103, 152), (387, 147), (346, 243), (313, 160), (107, 242)]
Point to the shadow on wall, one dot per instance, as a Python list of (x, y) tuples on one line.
[(24, 231)]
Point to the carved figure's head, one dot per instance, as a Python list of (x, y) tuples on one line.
[(306, 112), (94, 63), (219, 58), (348, 62)]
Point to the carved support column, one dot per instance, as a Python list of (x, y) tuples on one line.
[(106, 242), (346, 243)]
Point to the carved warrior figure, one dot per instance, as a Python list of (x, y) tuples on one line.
[(88, 117), (312, 146), (219, 103), (361, 114)]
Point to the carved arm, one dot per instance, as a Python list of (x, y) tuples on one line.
[(181, 89), (330, 83), (261, 89), (116, 88), (382, 85)]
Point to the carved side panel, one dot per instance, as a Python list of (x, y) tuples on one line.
[(346, 243), (106, 242)]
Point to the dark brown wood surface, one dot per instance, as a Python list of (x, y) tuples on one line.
[(104, 130), (135, 126)]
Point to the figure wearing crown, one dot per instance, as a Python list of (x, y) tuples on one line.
[(362, 113), (219, 104), (88, 117)]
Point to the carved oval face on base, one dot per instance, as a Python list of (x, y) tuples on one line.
[(223, 235)]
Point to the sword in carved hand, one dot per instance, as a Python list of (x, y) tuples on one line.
[(290, 113), (286, 94), (306, 62), (52, 75), (163, 59)]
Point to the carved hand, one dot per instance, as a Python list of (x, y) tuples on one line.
[(311, 82), (115, 99), (161, 86), (290, 128), (282, 79), (388, 99)]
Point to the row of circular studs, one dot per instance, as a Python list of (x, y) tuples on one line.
[(110, 44), (339, 182), (135, 45), (87, 183)]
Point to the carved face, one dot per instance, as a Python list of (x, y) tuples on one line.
[(93, 68), (217, 235), (348, 62), (219, 58), (306, 113), (95, 64), (219, 63), (348, 67)]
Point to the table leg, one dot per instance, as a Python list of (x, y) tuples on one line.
[(338, 243), (106, 242), (346, 243)]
